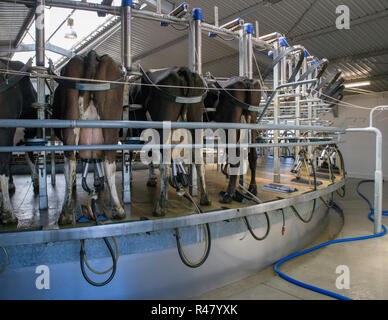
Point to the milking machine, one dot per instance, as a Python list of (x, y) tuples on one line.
[(300, 77), (93, 195), (180, 180)]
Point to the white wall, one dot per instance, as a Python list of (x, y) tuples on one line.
[(359, 148)]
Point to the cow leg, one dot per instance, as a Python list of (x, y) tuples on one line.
[(202, 184), (66, 216), (11, 187), (7, 215), (252, 165), (152, 180), (34, 171), (110, 173), (160, 209), (195, 114)]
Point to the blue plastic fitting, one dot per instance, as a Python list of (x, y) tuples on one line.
[(197, 14), (164, 24), (248, 27), (126, 3), (270, 53), (306, 54), (283, 42), (212, 35)]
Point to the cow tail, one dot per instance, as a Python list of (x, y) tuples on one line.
[(91, 67), (187, 76)]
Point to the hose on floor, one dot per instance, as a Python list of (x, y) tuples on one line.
[(339, 210)]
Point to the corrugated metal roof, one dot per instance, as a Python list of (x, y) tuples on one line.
[(12, 17), (310, 22)]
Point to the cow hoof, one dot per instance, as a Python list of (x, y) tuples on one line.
[(35, 184), (225, 198), (152, 183), (11, 189), (8, 217), (118, 214), (253, 189), (66, 216), (205, 202), (159, 211), (65, 219)]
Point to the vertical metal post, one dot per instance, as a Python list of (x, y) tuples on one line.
[(216, 17), (298, 112), (310, 122), (378, 200), (249, 34), (41, 103), (126, 50), (246, 68), (242, 49), (276, 83), (53, 165), (195, 65), (159, 6), (126, 28)]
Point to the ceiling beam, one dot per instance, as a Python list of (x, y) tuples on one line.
[(166, 5), (231, 44), (376, 77), (359, 56), (25, 27), (330, 29)]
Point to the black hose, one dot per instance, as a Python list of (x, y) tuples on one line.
[(83, 255), (251, 230), (182, 255), (82, 262), (296, 212), (182, 181), (249, 225)]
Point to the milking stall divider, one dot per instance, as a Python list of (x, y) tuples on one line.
[(296, 77)]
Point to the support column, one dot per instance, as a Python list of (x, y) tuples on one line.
[(276, 83), (126, 57), (195, 65), (41, 103), (246, 70)]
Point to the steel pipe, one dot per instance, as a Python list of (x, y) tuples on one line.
[(378, 201), (107, 124)]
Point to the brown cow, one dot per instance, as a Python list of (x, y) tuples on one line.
[(228, 111), (72, 104)]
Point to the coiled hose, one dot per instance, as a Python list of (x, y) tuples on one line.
[(206, 228), (179, 181), (339, 210), (83, 259)]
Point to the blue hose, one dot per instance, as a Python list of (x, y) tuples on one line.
[(339, 210)]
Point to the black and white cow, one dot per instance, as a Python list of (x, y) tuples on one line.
[(154, 92), (15, 103)]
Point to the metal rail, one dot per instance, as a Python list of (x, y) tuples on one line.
[(136, 227), (156, 147), (107, 124)]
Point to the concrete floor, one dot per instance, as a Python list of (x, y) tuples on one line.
[(367, 261)]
